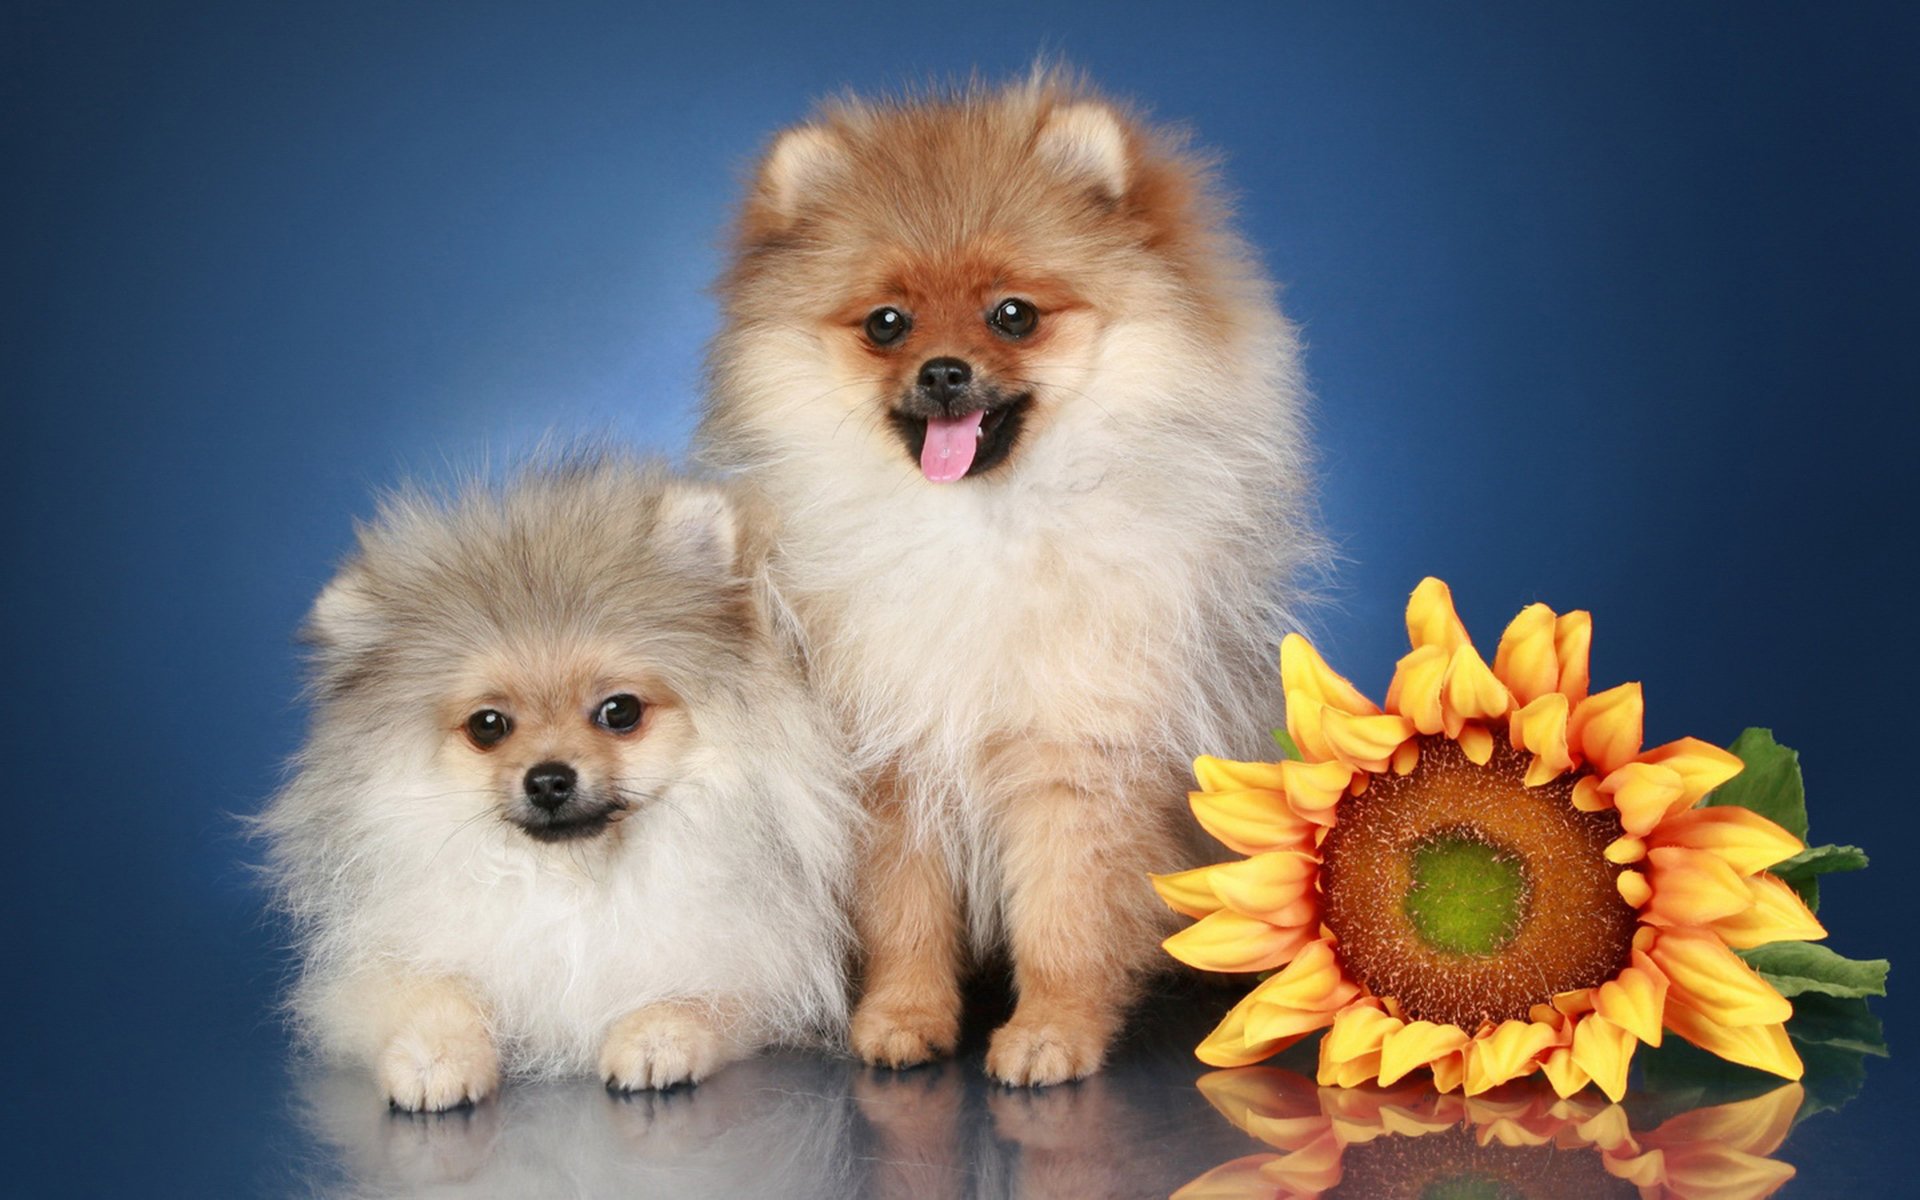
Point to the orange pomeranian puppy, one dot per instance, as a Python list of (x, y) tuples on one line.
[(1031, 425)]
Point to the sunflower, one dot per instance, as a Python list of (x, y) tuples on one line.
[(1488, 877), (1411, 1142)]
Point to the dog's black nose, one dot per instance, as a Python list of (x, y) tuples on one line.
[(550, 784), (944, 377)]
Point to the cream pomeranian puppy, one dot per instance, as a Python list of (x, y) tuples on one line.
[(1031, 424), (564, 803)]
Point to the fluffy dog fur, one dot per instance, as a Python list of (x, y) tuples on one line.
[(1028, 657), (680, 907)]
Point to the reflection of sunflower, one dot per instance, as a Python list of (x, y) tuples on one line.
[(1412, 1142), (1488, 878)]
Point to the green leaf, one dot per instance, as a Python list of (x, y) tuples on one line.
[(1770, 785), (1288, 747), (1802, 872), (1794, 968), (1846, 1025)]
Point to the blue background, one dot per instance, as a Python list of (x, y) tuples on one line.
[(1610, 306)]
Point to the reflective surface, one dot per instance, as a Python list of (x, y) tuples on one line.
[(1155, 1124)]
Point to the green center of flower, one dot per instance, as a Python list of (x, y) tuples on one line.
[(1468, 895)]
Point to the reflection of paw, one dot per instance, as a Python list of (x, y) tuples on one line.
[(1072, 1119), (1039, 1051), (660, 1046), (922, 1107), (902, 1036), (436, 1149), (428, 1069)]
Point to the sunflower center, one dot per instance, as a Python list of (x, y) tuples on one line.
[(1469, 897)]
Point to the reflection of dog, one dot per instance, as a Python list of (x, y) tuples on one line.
[(935, 1134), (563, 801), (775, 1128), (1031, 425)]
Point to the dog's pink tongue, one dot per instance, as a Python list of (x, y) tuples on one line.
[(948, 450)]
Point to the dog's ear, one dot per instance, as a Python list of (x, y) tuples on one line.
[(801, 161), (1087, 139), (345, 620), (698, 528)]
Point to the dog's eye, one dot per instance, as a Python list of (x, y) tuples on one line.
[(1014, 318), (488, 728), (885, 326), (620, 713)]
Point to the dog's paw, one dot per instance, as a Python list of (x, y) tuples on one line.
[(660, 1046), (1034, 1052), (899, 1036), (428, 1069)]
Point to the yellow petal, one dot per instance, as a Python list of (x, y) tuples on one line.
[(1477, 744), (1449, 1071), (1431, 620), (1265, 885), (1188, 892), (1604, 1050), (1229, 1046), (1587, 796), (1358, 1031), (1693, 887), (1352, 1073), (1263, 1024), (1314, 788), (1365, 742), (1702, 766), (1625, 849), (1471, 692), (1225, 775), (1762, 1046), (1604, 729), (1511, 1050), (1231, 941), (1541, 729), (1417, 1045), (1251, 822), (1572, 636), (1644, 793), (1267, 1022), (1635, 1000), (1286, 1007), (1407, 757), (1563, 1073), (1711, 979), (1633, 888), (1305, 676), (1312, 688), (1312, 981), (1777, 915), (1526, 660), (1747, 841), (1415, 690)]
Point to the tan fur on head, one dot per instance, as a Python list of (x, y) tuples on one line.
[(1028, 658), (717, 825)]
